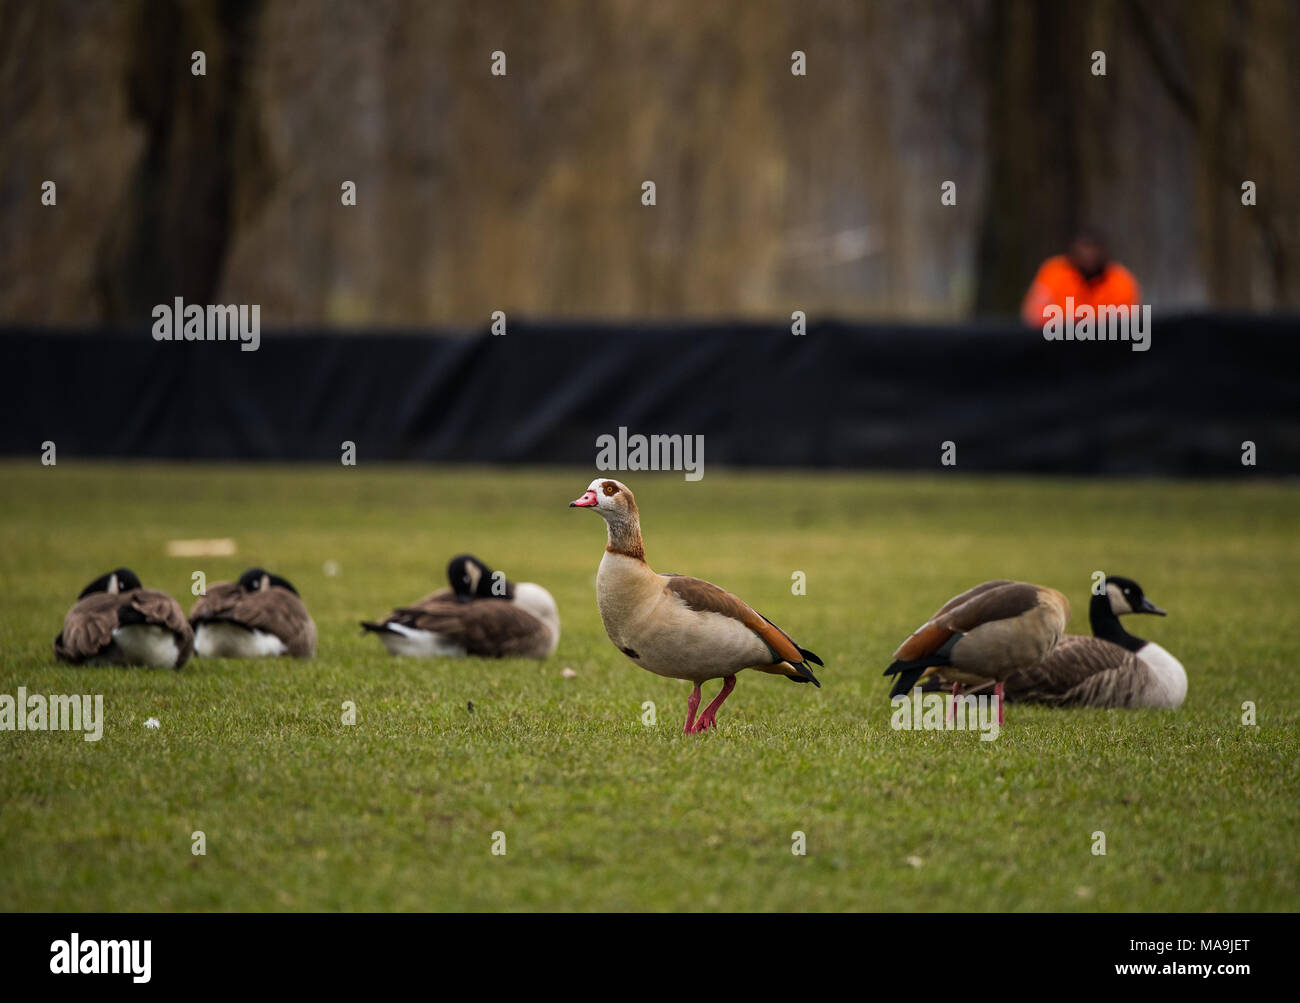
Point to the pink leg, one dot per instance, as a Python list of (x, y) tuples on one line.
[(706, 720), (997, 692), (956, 695), (692, 703)]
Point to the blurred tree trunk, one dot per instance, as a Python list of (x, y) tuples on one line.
[(202, 165), (1037, 194)]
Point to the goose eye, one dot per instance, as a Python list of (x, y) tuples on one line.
[(610, 489)]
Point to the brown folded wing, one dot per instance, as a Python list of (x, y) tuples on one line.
[(272, 609), (1080, 671), (488, 628), (705, 597), (995, 600), (88, 627)]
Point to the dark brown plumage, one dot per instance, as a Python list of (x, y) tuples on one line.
[(257, 602), (1083, 672), (88, 638), (486, 628)]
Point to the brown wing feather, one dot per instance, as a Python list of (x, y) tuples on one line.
[(88, 627), (969, 594), (161, 610), (1080, 671), (272, 609), (993, 600), (705, 597), (489, 628)]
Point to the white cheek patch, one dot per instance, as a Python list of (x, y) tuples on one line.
[(1118, 603)]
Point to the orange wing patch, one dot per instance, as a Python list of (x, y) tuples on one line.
[(927, 640)]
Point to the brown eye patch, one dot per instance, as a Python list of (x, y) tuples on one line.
[(610, 488)]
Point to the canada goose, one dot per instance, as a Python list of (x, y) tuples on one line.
[(258, 616), (676, 626), (1110, 669), (986, 633), (483, 614), (116, 621)]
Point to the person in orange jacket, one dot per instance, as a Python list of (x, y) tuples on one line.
[(1085, 273)]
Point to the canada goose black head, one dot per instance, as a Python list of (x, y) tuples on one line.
[(1122, 595), (1126, 596), (256, 579), (470, 579), (121, 580)]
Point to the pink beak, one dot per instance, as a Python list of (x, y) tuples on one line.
[(588, 500)]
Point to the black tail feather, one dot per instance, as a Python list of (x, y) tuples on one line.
[(810, 656), (906, 680), (909, 672), (805, 675), (378, 628)]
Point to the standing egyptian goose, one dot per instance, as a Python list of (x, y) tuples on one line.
[(680, 627), (986, 633), (116, 621), (483, 614), (259, 616), (1110, 669)]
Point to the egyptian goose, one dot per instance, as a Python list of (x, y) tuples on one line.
[(483, 614), (986, 633), (680, 627), (1110, 669), (116, 621), (259, 616)]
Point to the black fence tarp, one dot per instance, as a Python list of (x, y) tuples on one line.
[(839, 396)]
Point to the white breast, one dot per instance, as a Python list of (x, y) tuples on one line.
[(229, 640), (148, 644), (1168, 678), (532, 598)]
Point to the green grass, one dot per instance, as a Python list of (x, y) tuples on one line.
[(599, 811)]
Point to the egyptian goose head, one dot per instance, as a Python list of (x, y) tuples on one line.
[(614, 502)]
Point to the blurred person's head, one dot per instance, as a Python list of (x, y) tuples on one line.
[(1088, 252)]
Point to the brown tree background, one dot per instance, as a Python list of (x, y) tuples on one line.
[(775, 192)]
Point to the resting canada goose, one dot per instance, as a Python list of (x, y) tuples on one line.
[(986, 633), (258, 616), (483, 614), (680, 627), (116, 621), (1110, 669)]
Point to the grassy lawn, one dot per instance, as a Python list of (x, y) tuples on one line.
[(600, 811)]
